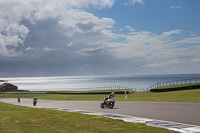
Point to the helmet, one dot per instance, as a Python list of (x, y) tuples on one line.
[(112, 94)]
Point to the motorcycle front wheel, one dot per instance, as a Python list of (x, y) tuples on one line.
[(111, 105)]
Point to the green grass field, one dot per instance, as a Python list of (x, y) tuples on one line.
[(17, 119), (173, 96)]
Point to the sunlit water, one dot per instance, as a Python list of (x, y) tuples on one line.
[(81, 83)]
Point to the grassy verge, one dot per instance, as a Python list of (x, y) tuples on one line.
[(17, 119), (173, 96)]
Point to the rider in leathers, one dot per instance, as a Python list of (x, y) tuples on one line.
[(109, 97)]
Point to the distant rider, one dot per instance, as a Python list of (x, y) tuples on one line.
[(35, 101), (18, 99)]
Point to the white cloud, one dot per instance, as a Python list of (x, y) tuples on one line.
[(70, 44), (94, 3), (161, 64), (29, 49), (175, 7), (133, 2), (84, 22), (91, 51), (48, 49), (196, 60), (154, 51), (129, 28), (67, 13), (11, 37), (189, 40), (169, 33)]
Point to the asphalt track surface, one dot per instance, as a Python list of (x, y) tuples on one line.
[(188, 113)]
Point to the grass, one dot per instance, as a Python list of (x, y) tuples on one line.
[(17, 119), (173, 96)]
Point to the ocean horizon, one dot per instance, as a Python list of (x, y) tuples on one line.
[(83, 83)]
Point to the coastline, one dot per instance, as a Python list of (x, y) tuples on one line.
[(88, 83)]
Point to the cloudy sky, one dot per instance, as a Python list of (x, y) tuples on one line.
[(99, 37)]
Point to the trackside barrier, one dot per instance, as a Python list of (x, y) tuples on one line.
[(111, 88), (176, 82)]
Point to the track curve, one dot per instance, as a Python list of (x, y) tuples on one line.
[(187, 113)]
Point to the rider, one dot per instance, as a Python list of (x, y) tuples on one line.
[(18, 99), (109, 97), (112, 95)]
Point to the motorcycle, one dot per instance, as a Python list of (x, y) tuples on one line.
[(35, 101), (108, 102)]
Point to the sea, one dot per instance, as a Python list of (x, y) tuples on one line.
[(100, 82)]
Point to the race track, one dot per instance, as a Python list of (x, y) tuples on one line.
[(187, 113)]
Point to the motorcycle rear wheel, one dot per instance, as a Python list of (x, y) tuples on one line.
[(102, 105)]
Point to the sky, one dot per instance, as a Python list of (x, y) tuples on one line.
[(99, 37)]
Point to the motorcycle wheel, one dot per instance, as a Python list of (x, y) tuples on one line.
[(111, 105), (102, 105), (34, 103)]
